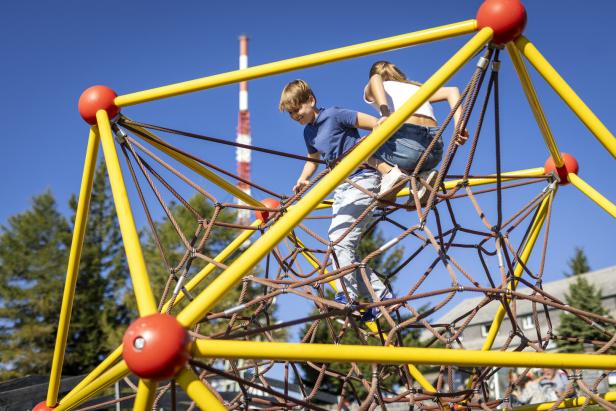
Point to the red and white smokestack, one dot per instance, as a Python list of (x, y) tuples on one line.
[(242, 155)]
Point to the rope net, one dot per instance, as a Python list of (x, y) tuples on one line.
[(426, 257)]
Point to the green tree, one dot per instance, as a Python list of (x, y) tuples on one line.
[(175, 249), (584, 296), (33, 251), (383, 263), (578, 264), (100, 314)]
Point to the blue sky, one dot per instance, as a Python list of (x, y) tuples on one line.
[(52, 51)]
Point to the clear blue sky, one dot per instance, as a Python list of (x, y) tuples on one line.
[(52, 51)]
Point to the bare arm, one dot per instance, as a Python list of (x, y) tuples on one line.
[(375, 92), (365, 121), (309, 169), (451, 95)]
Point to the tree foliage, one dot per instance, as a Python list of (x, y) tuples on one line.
[(578, 264), (583, 295), (33, 250)]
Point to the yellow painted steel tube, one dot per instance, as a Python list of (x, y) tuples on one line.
[(534, 103), (116, 372), (199, 392), (235, 349), (202, 303), (536, 226), (567, 403), (199, 169), (565, 92), (145, 395), (130, 237), (329, 56), (72, 270), (95, 373), (417, 375), (593, 194), (221, 257), (508, 176)]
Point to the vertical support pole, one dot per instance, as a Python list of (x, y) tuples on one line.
[(536, 226), (145, 395), (72, 271), (136, 264)]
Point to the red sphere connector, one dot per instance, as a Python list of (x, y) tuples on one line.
[(42, 406), (97, 98), (265, 215), (506, 17), (156, 347), (570, 166)]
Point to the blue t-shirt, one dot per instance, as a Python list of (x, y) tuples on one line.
[(333, 133)]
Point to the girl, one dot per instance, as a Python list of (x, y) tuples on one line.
[(387, 90)]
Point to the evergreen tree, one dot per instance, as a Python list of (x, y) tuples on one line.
[(578, 264), (383, 263), (584, 296), (100, 314), (175, 249), (33, 255)]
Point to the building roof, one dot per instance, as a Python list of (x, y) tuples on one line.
[(604, 280)]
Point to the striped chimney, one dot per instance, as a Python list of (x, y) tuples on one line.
[(242, 155)]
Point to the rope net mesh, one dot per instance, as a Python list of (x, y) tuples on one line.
[(438, 261)]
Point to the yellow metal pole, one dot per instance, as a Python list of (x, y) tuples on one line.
[(130, 237), (145, 395), (95, 373), (199, 169), (415, 373), (202, 303), (72, 271), (198, 391), (536, 226), (235, 349), (534, 103), (356, 50), (221, 257), (565, 92), (567, 403), (593, 194), (116, 372)]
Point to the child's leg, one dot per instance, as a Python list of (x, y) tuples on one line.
[(349, 204), (379, 165)]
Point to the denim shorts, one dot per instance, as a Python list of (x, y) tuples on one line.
[(408, 144)]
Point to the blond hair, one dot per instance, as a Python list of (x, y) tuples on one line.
[(294, 95), (389, 72)]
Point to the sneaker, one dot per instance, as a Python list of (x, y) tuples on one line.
[(391, 179), (375, 313), (341, 298), (428, 177)]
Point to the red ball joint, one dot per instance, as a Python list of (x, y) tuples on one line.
[(570, 166), (97, 98), (506, 17), (265, 215), (42, 406), (156, 347)]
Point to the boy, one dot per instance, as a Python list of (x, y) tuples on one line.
[(329, 133)]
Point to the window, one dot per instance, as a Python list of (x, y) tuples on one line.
[(484, 330), (528, 322)]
